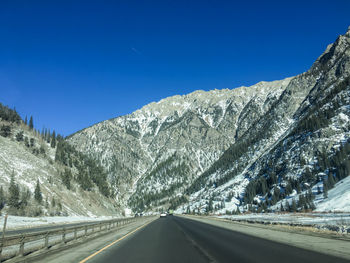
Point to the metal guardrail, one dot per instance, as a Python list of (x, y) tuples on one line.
[(23, 244)]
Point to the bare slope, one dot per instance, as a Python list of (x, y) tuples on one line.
[(28, 164)]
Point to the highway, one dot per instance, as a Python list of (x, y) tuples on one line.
[(177, 239)]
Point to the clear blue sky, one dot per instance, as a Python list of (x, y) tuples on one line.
[(71, 64)]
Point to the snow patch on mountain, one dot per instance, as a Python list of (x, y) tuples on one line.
[(338, 198)]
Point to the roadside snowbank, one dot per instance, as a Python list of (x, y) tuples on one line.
[(18, 222), (296, 218), (338, 222)]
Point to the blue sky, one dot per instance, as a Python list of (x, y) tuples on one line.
[(71, 64)]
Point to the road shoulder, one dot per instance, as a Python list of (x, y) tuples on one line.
[(330, 246), (80, 251)]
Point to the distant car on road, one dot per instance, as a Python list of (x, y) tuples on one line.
[(162, 215)]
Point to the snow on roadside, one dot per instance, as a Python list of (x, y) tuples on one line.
[(19, 222), (296, 218)]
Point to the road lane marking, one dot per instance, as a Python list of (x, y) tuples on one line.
[(114, 242), (195, 244)]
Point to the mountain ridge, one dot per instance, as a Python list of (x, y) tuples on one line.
[(204, 128)]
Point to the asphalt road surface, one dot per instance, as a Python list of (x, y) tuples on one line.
[(175, 239)]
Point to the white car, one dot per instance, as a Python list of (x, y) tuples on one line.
[(163, 215)]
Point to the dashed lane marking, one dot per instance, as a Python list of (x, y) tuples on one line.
[(114, 242)]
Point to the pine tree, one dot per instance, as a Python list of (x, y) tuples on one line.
[(31, 123), (2, 198), (26, 141), (298, 188), (13, 193), (59, 205), (5, 130), (309, 195), (19, 136), (25, 197), (238, 211), (32, 142), (66, 178), (46, 203), (53, 202), (37, 192), (331, 180), (287, 206), (210, 205), (312, 206), (222, 204), (294, 206), (308, 175), (318, 190), (288, 189), (26, 121), (48, 136), (325, 189), (301, 201), (273, 178), (53, 140)]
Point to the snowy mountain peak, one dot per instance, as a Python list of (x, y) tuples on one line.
[(218, 145), (348, 32), (179, 104)]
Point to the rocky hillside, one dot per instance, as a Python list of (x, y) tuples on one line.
[(29, 159), (196, 128), (251, 147), (293, 153)]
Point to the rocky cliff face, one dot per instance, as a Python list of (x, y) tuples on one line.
[(290, 144), (211, 145), (197, 128)]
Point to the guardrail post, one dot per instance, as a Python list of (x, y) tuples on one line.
[(85, 231), (47, 240), (75, 233), (21, 245), (109, 226), (100, 227)]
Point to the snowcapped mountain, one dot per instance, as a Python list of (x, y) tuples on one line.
[(257, 147), (196, 128)]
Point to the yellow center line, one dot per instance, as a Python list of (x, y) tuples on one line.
[(114, 242)]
